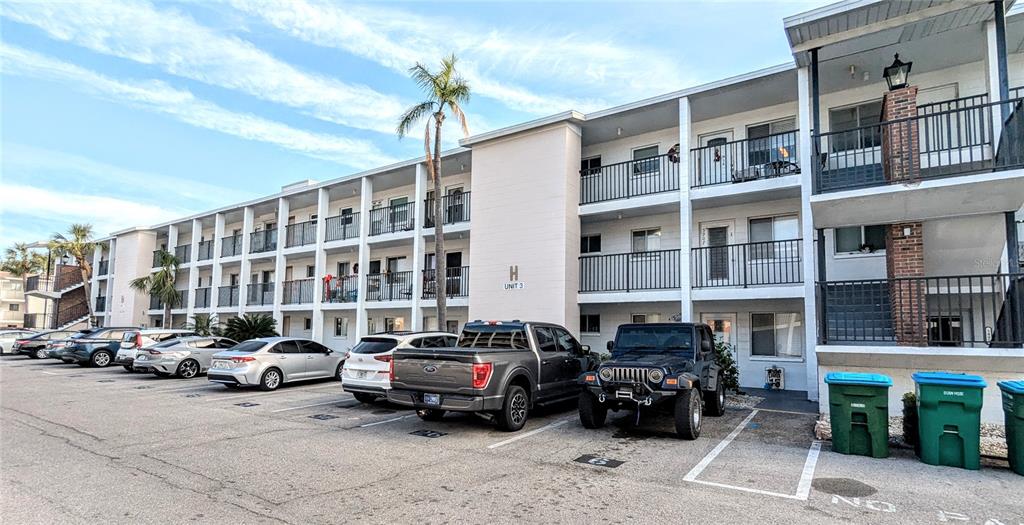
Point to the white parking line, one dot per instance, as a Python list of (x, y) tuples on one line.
[(803, 490), (695, 471), (392, 420), (308, 406), (530, 433)]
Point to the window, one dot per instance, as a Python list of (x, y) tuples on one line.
[(394, 324), (590, 244), (310, 270), (590, 166), (545, 340), (14, 307), (647, 240), (452, 328), (645, 161), (775, 335), (853, 120), (564, 341), (371, 325), (765, 144), (343, 269), (307, 324), (768, 229), (590, 323), (340, 327), (860, 239), (645, 318), (433, 342), (312, 347), (288, 347), (946, 330)]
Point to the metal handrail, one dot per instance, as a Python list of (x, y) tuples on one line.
[(629, 272), (632, 178)]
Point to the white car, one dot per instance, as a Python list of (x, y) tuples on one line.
[(9, 336), (134, 340), (271, 361), (367, 370)]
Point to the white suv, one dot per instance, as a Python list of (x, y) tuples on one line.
[(367, 371), (135, 340)]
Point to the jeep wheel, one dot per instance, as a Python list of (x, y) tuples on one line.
[(688, 414), (714, 402), (430, 414), (514, 410), (592, 412)]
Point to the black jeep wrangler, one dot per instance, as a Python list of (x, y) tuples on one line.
[(654, 364)]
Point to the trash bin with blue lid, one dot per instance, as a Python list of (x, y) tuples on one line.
[(1013, 410), (949, 414), (859, 413)]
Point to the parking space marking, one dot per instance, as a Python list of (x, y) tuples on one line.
[(530, 433), (308, 406), (392, 420), (695, 471), (803, 490)]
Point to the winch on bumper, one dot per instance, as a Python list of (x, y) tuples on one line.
[(643, 386)]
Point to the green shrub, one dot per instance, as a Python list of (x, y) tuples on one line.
[(730, 374)]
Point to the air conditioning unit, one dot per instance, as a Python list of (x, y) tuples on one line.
[(775, 378)]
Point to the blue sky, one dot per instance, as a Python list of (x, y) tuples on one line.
[(123, 112)]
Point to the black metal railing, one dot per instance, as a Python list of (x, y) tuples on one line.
[(103, 268), (952, 104), (263, 241), (39, 321), (747, 264), (101, 304), (300, 234), (629, 272), (156, 258), (341, 227), (745, 160), (456, 285), (454, 207), (202, 298), (391, 219), (1020, 253), (632, 178), (393, 286), (67, 276), (183, 253), (205, 250), (71, 314), (33, 283), (342, 290), (231, 245), (259, 294), (155, 303), (962, 310), (298, 291), (227, 296)]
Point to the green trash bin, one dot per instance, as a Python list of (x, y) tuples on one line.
[(859, 413), (1013, 410), (949, 418)]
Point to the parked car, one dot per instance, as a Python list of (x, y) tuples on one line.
[(657, 363), (135, 340), (96, 349), (271, 361), (56, 348), (368, 364), (35, 346), (500, 370), (8, 337), (185, 357)]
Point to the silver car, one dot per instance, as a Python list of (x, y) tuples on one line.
[(271, 361), (186, 357)]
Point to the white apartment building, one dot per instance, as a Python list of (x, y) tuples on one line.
[(816, 219)]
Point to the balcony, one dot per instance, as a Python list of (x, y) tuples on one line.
[(39, 321), (260, 294), (299, 291), (34, 282), (263, 241), (205, 251), (183, 253), (341, 227), (745, 160), (629, 179), (202, 298), (393, 286), (101, 304), (975, 311), (156, 304), (231, 245), (67, 277), (454, 207), (748, 264), (630, 272), (456, 284), (103, 268), (227, 296), (392, 219), (300, 234), (342, 290)]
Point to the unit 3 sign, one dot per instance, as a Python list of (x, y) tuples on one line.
[(513, 279)]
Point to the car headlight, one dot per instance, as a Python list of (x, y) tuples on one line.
[(605, 373), (656, 375)]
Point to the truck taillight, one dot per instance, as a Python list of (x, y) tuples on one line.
[(391, 370), (138, 340), (482, 374)]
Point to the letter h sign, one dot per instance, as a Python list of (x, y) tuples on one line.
[(513, 273)]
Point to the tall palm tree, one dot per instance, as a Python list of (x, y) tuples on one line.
[(444, 89), (79, 245), (20, 261), (160, 284)]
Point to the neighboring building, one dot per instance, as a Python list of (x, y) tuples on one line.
[(12, 301), (885, 240)]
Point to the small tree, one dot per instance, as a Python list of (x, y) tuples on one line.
[(160, 284), (730, 374), (250, 326), (20, 261), (204, 324)]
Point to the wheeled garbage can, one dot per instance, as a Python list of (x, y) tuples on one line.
[(859, 413), (1013, 410), (949, 414)]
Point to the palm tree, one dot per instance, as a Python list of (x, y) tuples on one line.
[(79, 245), (250, 326), (160, 284), (444, 89), (204, 324), (20, 261)]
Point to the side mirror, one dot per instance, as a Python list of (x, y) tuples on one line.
[(611, 345), (584, 349)]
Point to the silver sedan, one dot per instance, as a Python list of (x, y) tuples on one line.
[(271, 361), (186, 357)]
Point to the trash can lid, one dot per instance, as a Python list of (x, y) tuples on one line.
[(857, 378), (949, 378), (1013, 387)]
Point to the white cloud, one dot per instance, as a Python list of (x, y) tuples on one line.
[(167, 38), (160, 97)]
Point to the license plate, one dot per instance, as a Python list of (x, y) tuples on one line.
[(221, 364), (361, 374), (432, 399)]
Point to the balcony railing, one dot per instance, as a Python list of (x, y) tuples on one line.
[(227, 296), (202, 298), (183, 253), (930, 145), (632, 178), (393, 286), (965, 310), (341, 227), (454, 207), (263, 241), (300, 234), (156, 304), (33, 283), (103, 268), (205, 251), (748, 264), (630, 272), (342, 290), (745, 160), (231, 245), (39, 321), (101, 304), (156, 258), (456, 285), (67, 276), (299, 291), (391, 219), (260, 294)]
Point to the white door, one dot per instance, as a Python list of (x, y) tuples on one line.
[(715, 162), (716, 265)]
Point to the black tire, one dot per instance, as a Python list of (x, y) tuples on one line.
[(592, 412), (714, 401), (515, 409), (337, 371), (82, 364), (231, 386), (40, 353), (187, 369), (688, 414), (163, 374), (101, 359), (430, 414), (363, 397), (271, 380), (128, 368)]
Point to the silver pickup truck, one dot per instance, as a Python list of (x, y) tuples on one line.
[(498, 370)]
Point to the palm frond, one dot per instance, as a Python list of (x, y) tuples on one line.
[(460, 116), (412, 115), (424, 78), (250, 326)]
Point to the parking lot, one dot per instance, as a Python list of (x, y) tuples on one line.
[(102, 445)]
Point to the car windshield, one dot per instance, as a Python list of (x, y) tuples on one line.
[(494, 336), (374, 345), (248, 346), (654, 339)]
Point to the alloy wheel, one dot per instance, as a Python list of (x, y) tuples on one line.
[(518, 412), (41, 353), (102, 359), (189, 369), (273, 379)]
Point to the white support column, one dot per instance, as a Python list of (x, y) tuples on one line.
[(172, 238), (365, 201), (282, 225), (686, 313), (246, 270), (193, 270), (809, 253), (418, 248), (94, 281), (218, 272), (992, 79), (111, 268), (320, 264)]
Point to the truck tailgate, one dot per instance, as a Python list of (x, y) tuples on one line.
[(438, 370)]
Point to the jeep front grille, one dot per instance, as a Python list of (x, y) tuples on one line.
[(630, 374)]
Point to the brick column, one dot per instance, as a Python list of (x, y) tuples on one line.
[(904, 257), (901, 158)]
